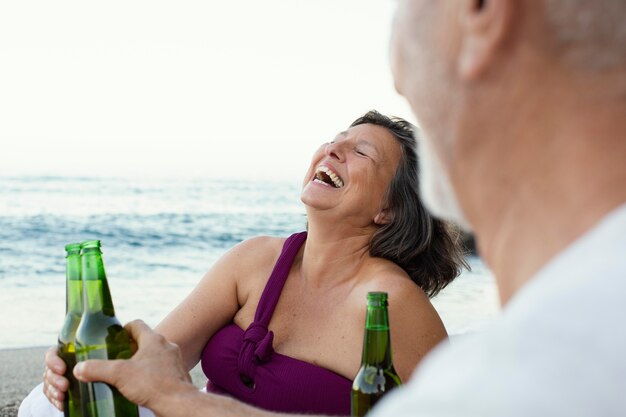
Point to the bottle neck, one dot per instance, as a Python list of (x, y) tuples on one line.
[(73, 284), (377, 341), (96, 294)]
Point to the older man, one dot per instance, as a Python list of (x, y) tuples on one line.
[(523, 108)]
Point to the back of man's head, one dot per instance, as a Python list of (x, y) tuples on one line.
[(522, 106), (588, 34)]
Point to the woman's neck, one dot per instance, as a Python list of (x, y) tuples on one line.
[(334, 253)]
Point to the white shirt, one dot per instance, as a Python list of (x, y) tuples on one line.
[(558, 349)]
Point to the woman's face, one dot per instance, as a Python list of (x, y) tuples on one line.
[(350, 175)]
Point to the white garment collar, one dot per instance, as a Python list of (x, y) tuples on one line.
[(602, 246)]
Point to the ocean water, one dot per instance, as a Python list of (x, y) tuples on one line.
[(159, 237)]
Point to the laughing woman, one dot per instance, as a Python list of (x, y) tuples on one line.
[(278, 323)]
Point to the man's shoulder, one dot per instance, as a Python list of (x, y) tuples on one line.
[(584, 284), (556, 350), (518, 370)]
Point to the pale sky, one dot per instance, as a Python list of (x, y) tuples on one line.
[(245, 88)]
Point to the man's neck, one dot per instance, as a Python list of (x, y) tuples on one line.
[(572, 172)]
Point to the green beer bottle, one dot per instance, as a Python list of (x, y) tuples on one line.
[(376, 377), (73, 312), (100, 336)]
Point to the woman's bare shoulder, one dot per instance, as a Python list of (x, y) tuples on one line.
[(415, 324), (403, 294), (388, 277), (255, 252)]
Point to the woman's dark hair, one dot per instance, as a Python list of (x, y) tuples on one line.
[(428, 249)]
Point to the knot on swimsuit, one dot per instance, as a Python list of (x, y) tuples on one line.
[(257, 349), (262, 340), (242, 363)]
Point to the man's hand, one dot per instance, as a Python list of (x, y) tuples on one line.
[(155, 377), (155, 372)]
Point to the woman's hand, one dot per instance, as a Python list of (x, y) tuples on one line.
[(55, 384)]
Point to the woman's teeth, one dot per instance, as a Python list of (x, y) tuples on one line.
[(325, 175)]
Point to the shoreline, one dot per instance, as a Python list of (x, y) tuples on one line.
[(21, 370)]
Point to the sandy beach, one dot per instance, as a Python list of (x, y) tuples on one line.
[(21, 371)]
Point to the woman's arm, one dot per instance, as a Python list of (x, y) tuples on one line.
[(211, 305), (214, 301)]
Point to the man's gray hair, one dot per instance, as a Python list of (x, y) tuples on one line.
[(588, 33)]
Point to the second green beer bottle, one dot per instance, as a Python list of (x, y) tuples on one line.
[(73, 312), (100, 336), (376, 377)]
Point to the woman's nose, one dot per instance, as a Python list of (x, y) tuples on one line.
[(334, 150)]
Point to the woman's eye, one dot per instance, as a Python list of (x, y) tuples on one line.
[(360, 152)]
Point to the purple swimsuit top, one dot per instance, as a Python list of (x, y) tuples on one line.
[(245, 366)]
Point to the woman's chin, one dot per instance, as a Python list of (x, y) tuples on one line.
[(313, 203)]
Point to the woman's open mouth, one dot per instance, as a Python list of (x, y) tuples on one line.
[(326, 176)]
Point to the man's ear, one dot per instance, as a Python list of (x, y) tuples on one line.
[(485, 25), (383, 217)]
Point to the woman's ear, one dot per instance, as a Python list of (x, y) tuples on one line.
[(383, 217)]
